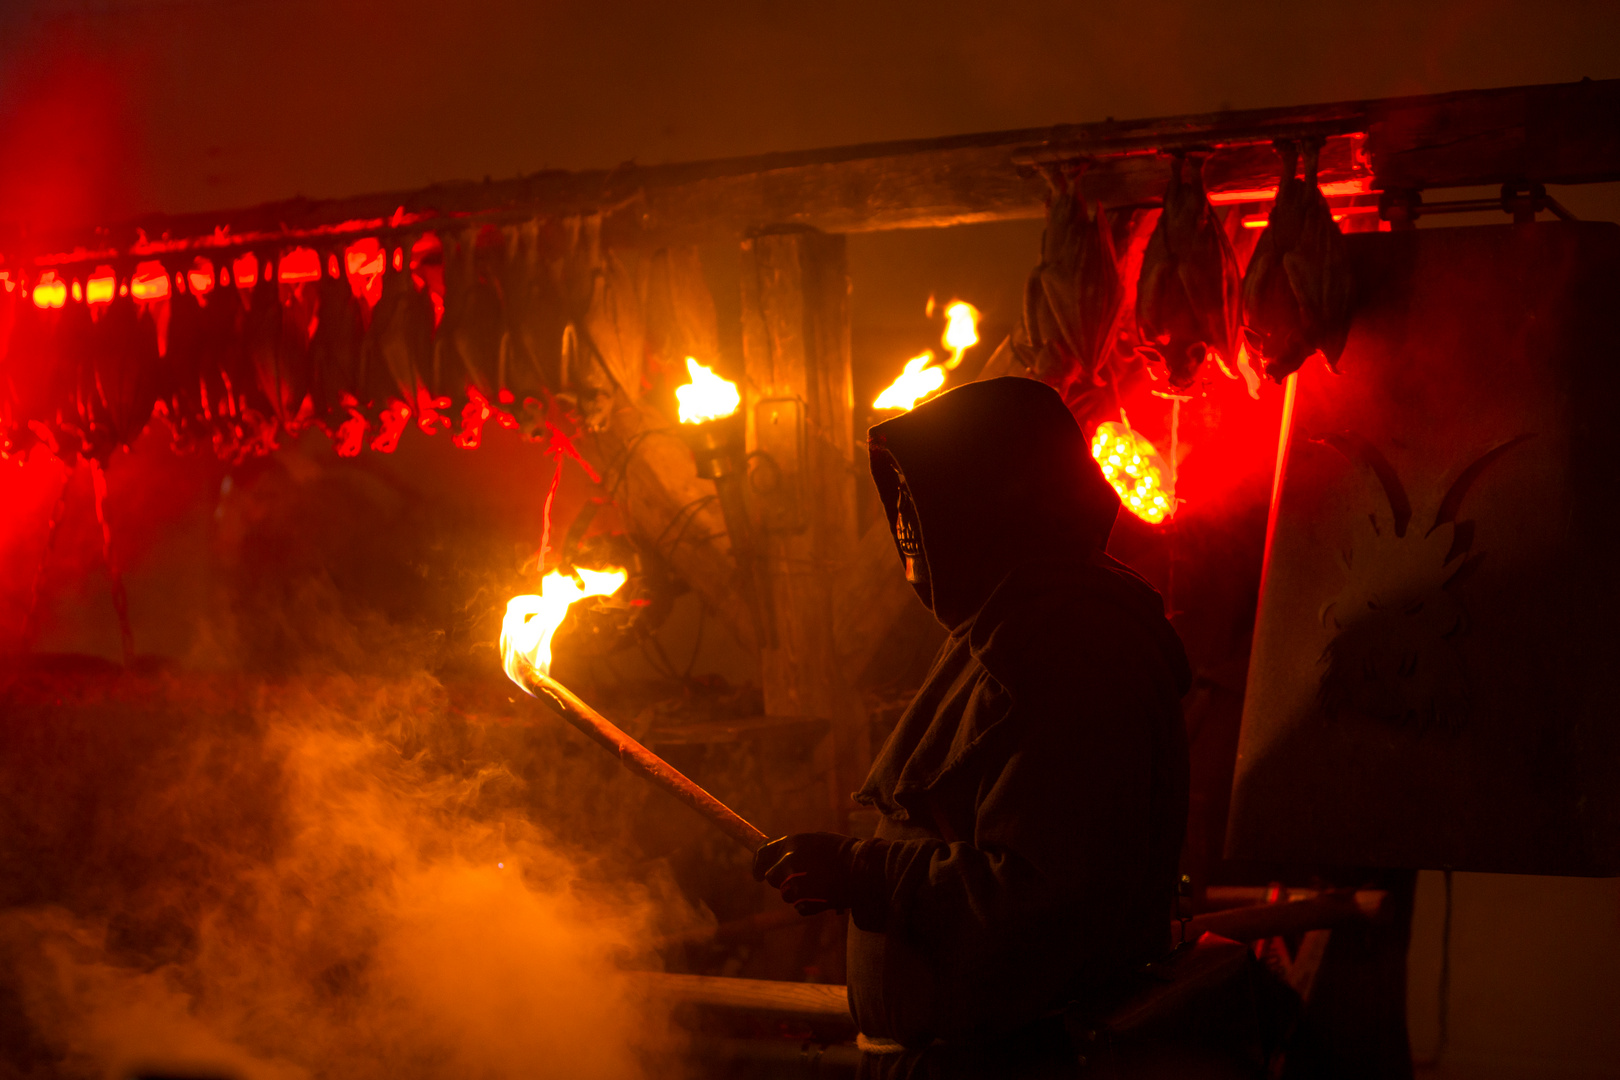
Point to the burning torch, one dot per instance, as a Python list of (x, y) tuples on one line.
[(526, 635), (712, 425)]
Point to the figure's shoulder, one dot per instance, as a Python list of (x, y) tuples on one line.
[(1096, 621)]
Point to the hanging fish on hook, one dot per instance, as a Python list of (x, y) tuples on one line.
[(277, 346), (399, 346), (118, 382), (467, 351), (1188, 297), (1298, 293), (224, 359), (336, 349), (1073, 298), (178, 385)]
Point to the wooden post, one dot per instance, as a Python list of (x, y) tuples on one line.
[(795, 304)]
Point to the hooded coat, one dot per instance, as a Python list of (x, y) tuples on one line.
[(1033, 796)]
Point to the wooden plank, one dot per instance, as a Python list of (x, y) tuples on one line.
[(1562, 133), (804, 1001), (796, 351)]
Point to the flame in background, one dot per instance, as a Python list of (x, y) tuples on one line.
[(532, 621), (917, 381), (1133, 466), (961, 330), (707, 396)]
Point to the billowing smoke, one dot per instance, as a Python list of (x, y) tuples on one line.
[(316, 876)]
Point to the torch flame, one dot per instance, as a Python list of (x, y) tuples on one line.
[(1133, 466), (531, 620), (916, 382), (961, 330), (707, 396)]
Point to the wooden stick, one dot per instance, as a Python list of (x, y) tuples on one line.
[(640, 760)]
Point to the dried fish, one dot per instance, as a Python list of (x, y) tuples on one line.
[(1188, 295), (27, 374), (467, 352), (224, 360), (277, 346), (1298, 292), (399, 348), (336, 347), (1073, 298), (178, 384), (117, 381)]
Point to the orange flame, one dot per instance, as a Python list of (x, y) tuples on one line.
[(531, 621), (961, 330), (707, 396), (1133, 466), (916, 382)]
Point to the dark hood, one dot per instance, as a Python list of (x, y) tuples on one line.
[(1001, 475)]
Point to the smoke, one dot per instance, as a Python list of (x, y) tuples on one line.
[(320, 876)]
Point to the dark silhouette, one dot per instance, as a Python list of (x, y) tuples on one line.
[(1034, 794)]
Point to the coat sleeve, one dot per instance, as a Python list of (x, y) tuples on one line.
[(1068, 846)]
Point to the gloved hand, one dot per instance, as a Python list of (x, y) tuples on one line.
[(815, 871)]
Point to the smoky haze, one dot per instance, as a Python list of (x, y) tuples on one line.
[(323, 836)]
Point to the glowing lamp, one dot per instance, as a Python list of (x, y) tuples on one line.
[(1133, 466), (917, 381)]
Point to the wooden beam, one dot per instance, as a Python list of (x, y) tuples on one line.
[(796, 351), (1557, 134)]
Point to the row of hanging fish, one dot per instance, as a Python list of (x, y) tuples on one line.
[(530, 312), (1192, 302)]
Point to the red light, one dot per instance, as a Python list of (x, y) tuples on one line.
[(150, 282), (51, 291), (300, 264), (246, 271)]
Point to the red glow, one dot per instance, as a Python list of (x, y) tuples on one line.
[(394, 420), (428, 416), (51, 291), (101, 287), (300, 264), (349, 438), (201, 278), (244, 271), (473, 416), (150, 282), (1358, 186)]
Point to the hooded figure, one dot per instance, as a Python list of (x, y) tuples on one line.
[(1033, 796)]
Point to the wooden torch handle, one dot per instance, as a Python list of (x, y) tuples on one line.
[(640, 760)]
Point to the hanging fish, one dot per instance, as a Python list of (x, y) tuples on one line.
[(399, 346), (1073, 298), (223, 360), (467, 352), (178, 381), (537, 313), (277, 348), (118, 381), (1298, 292), (1188, 295), (335, 349), (26, 371)]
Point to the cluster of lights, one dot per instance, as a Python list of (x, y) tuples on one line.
[(1132, 465)]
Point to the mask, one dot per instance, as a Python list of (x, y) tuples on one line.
[(908, 536)]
